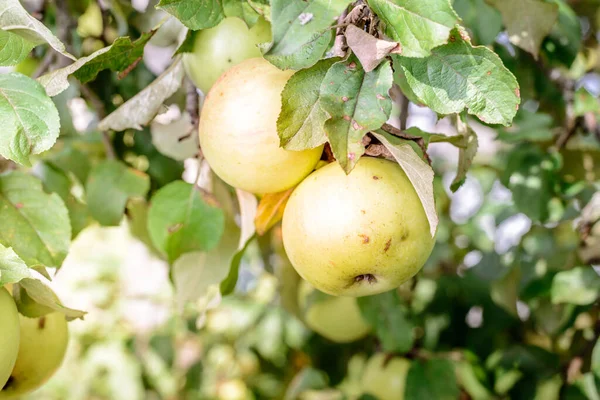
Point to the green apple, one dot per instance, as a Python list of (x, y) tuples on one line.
[(238, 130), (9, 335), (220, 48), (336, 318), (41, 351), (358, 234), (385, 379)]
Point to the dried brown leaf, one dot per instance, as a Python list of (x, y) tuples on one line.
[(270, 210), (368, 49)]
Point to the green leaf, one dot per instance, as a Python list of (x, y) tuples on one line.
[(301, 120), (44, 298), (143, 107), (527, 21), (12, 268), (529, 126), (385, 312), (15, 19), (565, 37), (241, 9), (584, 102), (595, 365), (357, 102), (580, 285), (29, 119), (34, 224), (197, 275), (109, 186), (248, 207), (428, 137), (466, 374), (307, 378), (531, 175), (182, 219), (13, 48), (301, 31), (195, 14), (484, 21), (457, 76), (419, 25), (418, 171), (432, 379), (465, 156), (55, 180), (120, 55)]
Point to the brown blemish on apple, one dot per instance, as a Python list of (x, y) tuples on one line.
[(376, 178), (363, 211), (365, 277), (388, 244), (41, 323), (365, 238)]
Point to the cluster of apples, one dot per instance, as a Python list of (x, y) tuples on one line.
[(31, 349), (347, 235)]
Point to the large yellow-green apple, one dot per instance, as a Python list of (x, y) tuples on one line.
[(9, 335), (41, 351), (385, 379), (336, 318), (220, 48), (238, 130), (358, 234)]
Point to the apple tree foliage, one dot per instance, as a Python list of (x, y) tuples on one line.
[(87, 137)]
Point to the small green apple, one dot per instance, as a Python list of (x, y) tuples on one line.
[(220, 48), (9, 335), (358, 234), (385, 379), (41, 351), (238, 130), (336, 318)]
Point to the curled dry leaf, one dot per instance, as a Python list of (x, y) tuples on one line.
[(270, 210), (368, 49)]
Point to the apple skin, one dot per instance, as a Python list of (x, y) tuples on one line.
[(238, 131), (386, 381), (41, 351), (220, 48), (9, 335), (335, 318), (358, 234)]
